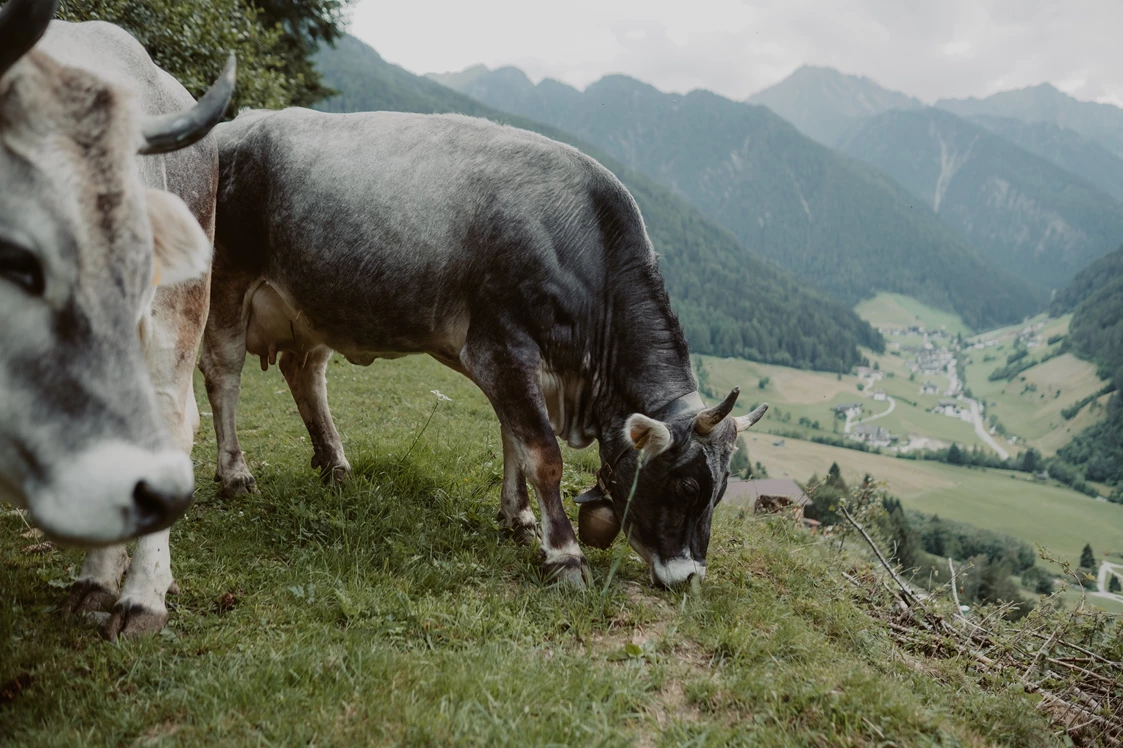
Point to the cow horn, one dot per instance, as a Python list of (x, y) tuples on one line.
[(746, 422), (22, 24), (164, 133), (705, 421)]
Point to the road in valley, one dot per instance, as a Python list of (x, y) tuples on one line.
[(1102, 581), (981, 431)]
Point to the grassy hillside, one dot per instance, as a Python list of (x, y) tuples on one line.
[(898, 311), (394, 612), (1021, 211), (1056, 517), (731, 301), (826, 104), (838, 223)]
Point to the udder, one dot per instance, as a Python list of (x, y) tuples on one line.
[(274, 326)]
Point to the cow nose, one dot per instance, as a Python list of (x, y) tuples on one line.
[(157, 508)]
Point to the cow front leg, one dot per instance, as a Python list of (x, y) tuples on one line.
[(140, 609), (224, 353), (308, 383), (509, 378), (99, 581), (514, 507)]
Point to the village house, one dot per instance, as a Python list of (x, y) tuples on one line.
[(880, 396), (872, 435), (930, 388), (848, 409)]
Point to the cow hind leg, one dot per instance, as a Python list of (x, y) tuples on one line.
[(224, 353), (306, 375), (508, 377), (514, 509)]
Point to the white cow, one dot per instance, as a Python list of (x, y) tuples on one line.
[(104, 287)]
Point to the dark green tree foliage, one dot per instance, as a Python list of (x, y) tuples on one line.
[(307, 24), (191, 40), (1095, 297), (741, 466), (903, 539), (1113, 585), (730, 301), (840, 223), (946, 539), (1088, 558), (1038, 580)]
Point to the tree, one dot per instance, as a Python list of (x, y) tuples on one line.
[(1031, 461), (764, 382), (955, 455), (190, 39), (1087, 558), (1114, 586), (305, 25), (740, 464), (834, 478)]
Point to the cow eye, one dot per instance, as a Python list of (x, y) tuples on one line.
[(20, 267), (688, 488)]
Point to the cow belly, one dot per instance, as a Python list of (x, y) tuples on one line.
[(567, 404), (274, 325)]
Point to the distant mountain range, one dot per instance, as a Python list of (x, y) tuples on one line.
[(1102, 123), (840, 224), (826, 104), (1018, 209), (731, 301)]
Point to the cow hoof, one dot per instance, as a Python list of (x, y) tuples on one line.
[(524, 533), (87, 596), (236, 485), (570, 571), (132, 620), (333, 472)]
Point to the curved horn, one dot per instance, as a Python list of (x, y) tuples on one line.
[(746, 422), (705, 421), (164, 133), (22, 24)]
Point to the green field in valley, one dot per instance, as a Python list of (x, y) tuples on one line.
[(394, 612), (896, 310), (1049, 515)]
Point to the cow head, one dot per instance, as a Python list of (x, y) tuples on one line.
[(683, 465), (83, 243)]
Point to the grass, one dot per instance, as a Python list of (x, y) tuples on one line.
[(896, 310), (394, 612), (1053, 516)]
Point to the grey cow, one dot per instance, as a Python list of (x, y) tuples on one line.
[(511, 258), (104, 263)]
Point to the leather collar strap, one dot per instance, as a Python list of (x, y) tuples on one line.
[(602, 489)]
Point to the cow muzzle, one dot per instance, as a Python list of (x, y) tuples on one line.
[(112, 493)]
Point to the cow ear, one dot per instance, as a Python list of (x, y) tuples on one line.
[(182, 250), (647, 434)]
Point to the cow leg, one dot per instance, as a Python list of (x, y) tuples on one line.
[(514, 509), (171, 341), (307, 378), (509, 379), (141, 609), (99, 581), (224, 353)]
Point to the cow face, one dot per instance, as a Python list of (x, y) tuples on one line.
[(683, 468), (83, 244)]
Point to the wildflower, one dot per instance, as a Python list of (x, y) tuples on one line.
[(441, 397)]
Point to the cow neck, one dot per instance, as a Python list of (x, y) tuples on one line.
[(645, 364)]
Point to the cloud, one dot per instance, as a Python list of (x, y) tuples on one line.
[(951, 48)]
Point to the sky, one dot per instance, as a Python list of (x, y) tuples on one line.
[(930, 49)]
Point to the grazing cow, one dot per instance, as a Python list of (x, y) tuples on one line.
[(511, 258), (104, 284)]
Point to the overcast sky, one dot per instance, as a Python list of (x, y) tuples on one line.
[(927, 48)]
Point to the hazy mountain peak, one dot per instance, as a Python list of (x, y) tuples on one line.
[(825, 104)]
